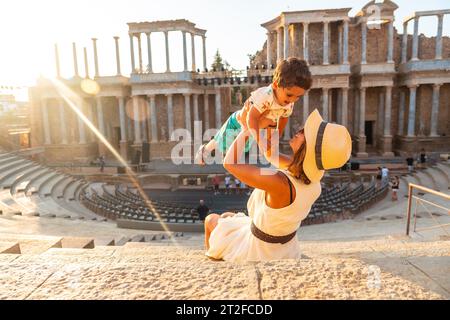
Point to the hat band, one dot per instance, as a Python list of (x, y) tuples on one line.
[(319, 140)]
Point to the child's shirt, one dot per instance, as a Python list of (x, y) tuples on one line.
[(263, 99)]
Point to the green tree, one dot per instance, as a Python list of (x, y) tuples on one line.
[(219, 63)]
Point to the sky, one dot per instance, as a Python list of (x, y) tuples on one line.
[(30, 28)]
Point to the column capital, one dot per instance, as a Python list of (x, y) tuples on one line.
[(148, 33), (116, 37), (306, 23), (412, 86), (437, 85), (151, 96), (187, 95), (169, 95)]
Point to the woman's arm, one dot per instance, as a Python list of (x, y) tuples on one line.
[(272, 153)]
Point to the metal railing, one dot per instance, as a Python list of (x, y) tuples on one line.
[(411, 196)]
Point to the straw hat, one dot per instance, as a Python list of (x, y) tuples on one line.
[(328, 146)]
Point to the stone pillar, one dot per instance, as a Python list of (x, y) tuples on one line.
[(45, 120), (144, 129), (86, 64), (344, 110), (62, 122), (116, 40), (166, 36), (345, 41), (187, 112), (149, 53), (185, 52), (435, 110), (123, 132), (390, 52), (362, 124), (363, 42), (75, 60), (412, 110), (94, 42), (129, 129), (58, 69), (170, 114), (204, 52), (269, 52), (194, 67), (305, 106), (279, 44), (415, 47), (286, 41), (325, 92), (387, 137), (140, 52), (137, 123), (405, 42), (306, 42), (153, 116), (101, 123), (401, 112), (356, 113), (133, 64), (326, 41), (206, 110), (81, 129), (195, 102), (218, 110), (439, 37)]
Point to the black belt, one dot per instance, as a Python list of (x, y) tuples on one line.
[(271, 239)]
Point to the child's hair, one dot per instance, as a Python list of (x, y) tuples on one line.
[(293, 72)]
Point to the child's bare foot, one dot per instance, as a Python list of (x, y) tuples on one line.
[(199, 156)]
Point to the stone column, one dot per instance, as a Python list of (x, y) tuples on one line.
[(194, 67), (81, 129), (415, 48), (206, 110), (153, 116), (405, 42), (286, 41), (129, 129), (45, 120), (345, 40), (195, 102), (218, 110), (166, 36), (326, 40), (116, 40), (101, 123), (58, 69), (137, 123), (185, 52), (204, 52), (325, 92), (387, 137), (62, 122), (133, 64), (439, 37), (170, 114), (123, 132), (435, 110), (305, 106), (363, 42), (279, 44), (356, 112), (401, 112), (75, 59), (362, 124), (344, 112), (97, 73), (412, 110), (140, 52), (269, 52), (306, 42), (86, 64), (149, 52), (187, 112), (390, 52)]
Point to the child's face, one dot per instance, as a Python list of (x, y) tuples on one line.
[(287, 95)]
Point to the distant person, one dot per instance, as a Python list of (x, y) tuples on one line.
[(384, 175), (423, 158), (102, 163), (395, 183), (227, 184), (202, 210), (216, 183), (237, 185), (410, 163)]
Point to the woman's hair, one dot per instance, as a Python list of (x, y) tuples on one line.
[(293, 72), (296, 166)]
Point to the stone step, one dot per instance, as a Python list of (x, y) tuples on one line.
[(9, 247), (75, 242)]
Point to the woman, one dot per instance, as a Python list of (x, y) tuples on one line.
[(281, 199), (395, 185)]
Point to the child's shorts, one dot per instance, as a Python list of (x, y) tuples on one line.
[(228, 133)]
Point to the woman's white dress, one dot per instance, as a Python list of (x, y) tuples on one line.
[(232, 239)]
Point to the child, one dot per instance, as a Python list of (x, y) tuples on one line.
[(291, 80)]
